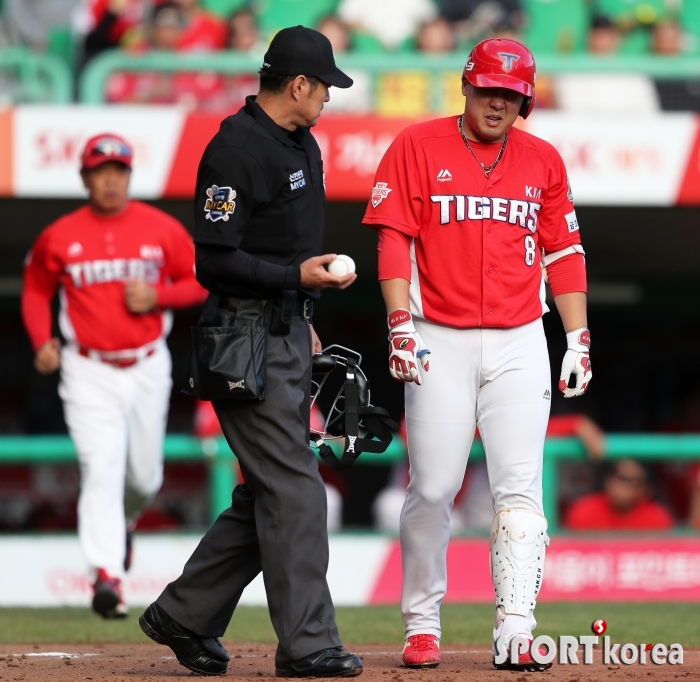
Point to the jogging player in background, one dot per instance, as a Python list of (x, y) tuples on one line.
[(118, 266)]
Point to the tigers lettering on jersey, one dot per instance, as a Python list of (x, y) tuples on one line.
[(513, 211), (103, 271)]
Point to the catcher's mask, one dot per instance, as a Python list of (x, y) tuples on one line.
[(351, 410)]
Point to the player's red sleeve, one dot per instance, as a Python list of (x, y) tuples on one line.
[(557, 225), (41, 280), (36, 315), (567, 274), (184, 293), (397, 200), (394, 249), (182, 289)]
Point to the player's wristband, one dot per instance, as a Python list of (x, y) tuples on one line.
[(401, 320), (579, 340)]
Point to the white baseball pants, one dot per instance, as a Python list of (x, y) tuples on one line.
[(498, 379), (116, 418)]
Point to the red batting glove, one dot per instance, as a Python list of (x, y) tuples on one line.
[(577, 361), (406, 348)]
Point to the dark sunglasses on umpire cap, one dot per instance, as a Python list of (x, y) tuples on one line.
[(299, 51), (105, 148)]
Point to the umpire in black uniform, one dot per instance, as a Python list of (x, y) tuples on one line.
[(260, 214)]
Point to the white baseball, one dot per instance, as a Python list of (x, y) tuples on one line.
[(342, 265)]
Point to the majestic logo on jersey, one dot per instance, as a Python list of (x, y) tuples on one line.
[(379, 192), (533, 192), (444, 176), (513, 211), (569, 194), (296, 180), (75, 249), (220, 205), (92, 272), (351, 444), (508, 58), (571, 221), (236, 384)]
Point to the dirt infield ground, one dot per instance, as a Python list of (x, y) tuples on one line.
[(137, 662)]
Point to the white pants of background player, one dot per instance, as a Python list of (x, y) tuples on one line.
[(116, 418), (498, 379)]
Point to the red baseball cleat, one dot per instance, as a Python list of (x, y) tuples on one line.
[(107, 600), (422, 651), (525, 662)]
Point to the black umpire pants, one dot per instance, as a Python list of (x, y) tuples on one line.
[(276, 522)]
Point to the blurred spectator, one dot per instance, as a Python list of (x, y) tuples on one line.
[(31, 21), (355, 100), (243, 34), (390, 21), (336, 31), (167, 25), (603, 36), (107, 24), (436, 35), (203, 31), (624, 504), (667, 38), (475, 20)]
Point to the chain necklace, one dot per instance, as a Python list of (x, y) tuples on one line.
[(487, 169)]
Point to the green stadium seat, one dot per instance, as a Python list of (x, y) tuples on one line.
[(556, 25), (690, 20), (644, 11), (61, 43), (637, 41), (224, 8), (276, 14)]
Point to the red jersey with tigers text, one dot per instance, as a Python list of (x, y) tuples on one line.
[(90, 257), (476, 241)]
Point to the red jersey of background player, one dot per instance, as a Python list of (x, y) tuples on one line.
[(477, 240), (89, 258)]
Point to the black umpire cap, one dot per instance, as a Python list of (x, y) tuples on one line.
[(298, 51)]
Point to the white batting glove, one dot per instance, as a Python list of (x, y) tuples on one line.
[(406, 348), (576, 361)]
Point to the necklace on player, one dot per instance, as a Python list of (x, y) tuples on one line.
[(487, 169)]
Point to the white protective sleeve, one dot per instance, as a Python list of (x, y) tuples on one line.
[(518, 541)]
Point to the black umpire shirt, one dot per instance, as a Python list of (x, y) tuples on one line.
[(259, 206)]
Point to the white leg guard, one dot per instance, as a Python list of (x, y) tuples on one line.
[(518, 541)]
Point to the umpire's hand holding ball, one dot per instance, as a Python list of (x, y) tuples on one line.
[(315, 276)]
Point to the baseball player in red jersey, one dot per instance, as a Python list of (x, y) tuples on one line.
[(468, 209), (118, 266)]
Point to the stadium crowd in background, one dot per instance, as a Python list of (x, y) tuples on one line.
[(79, 30)]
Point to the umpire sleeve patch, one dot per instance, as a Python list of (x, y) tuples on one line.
[(220, 203)]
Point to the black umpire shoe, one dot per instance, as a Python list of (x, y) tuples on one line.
[(202, 655), (335, 662)]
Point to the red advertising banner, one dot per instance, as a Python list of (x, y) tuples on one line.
[(351, 148), (576, 569)]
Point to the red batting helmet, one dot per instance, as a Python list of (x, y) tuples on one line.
[(503, 63)]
